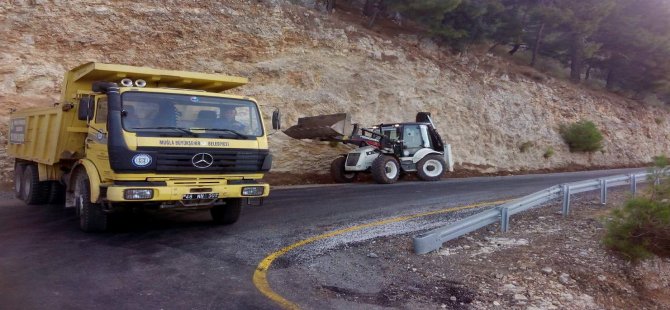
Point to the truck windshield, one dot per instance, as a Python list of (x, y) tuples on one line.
[(175, 113)]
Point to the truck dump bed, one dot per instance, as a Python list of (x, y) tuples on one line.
[(45, 135)]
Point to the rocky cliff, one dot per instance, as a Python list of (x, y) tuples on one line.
[(308, 63)]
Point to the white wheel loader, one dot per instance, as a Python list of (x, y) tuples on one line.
[(386, 151)]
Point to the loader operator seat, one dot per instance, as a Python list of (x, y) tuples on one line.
[(206, 119)]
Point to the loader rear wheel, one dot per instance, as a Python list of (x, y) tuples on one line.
[(338, 173), (227, 214), (385, 169), (430, 168), (33, 192), (92, 217), (18, 180)]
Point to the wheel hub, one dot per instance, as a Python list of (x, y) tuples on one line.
[(432, 168)]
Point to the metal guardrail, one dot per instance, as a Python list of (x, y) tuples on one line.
[(434, 239)]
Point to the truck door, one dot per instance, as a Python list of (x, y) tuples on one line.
[(96, 141)]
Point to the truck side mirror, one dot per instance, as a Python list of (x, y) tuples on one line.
[(85, 111), (276, 120)]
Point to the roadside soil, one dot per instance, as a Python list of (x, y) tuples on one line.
[(546, 261)]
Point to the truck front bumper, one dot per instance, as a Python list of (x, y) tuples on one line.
[(174, 193)]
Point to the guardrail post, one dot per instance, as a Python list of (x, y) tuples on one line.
[(633, 184), (504, 220), (566, 199), (603, 191)]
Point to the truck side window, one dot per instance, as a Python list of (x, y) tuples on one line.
[(101, 112)]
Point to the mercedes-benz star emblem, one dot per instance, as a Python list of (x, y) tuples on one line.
[(202, 160)]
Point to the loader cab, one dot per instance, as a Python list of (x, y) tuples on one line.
[(408, 138)]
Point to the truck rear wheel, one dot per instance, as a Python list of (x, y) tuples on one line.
[(92, 217), (33, 192), (227, 214), (57, 193), (430, 168), (338, 173), (385, 169), (18, 180)]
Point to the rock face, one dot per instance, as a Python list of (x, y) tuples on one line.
[(308, 63)]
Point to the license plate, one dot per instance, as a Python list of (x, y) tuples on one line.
[(200, 196)]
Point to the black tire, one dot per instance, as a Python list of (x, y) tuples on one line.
[(57, 193), (227, 214), (33, 192), (18, 180), (92, 217), (431, 168), (385, 170), (338, 173)]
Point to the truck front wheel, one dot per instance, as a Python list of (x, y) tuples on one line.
[(338, 173), (92, 217), (227, 214)]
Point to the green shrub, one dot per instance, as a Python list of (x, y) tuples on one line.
[(642, 227), (639, 229), (582, 136), (548, 153), (524, 147)]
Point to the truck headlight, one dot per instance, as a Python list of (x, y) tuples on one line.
[(138, 194), (252, 190)]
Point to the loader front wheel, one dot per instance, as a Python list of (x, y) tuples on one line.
[(92, 217), (227, 214), (385, 169), (33, 192), (338, 173), (430, 168)]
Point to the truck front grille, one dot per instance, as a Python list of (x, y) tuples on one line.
[(352, 159), (223, 160)]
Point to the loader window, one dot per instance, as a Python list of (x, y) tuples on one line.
[(153, 112), (390, 132)]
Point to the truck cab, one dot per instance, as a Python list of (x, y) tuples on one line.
[(136, 137)]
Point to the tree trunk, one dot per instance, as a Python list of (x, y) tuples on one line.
[(330, 6), (576, 57), (493, 47), (609, 84), (514, 49), (369, 8), (374, 17), (536, 47), (588, 73)]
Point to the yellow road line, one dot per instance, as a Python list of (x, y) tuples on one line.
[(260, 275)]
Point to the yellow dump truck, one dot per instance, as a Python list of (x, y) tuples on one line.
[(134, 137)]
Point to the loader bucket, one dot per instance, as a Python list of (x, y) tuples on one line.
[(332, 127)]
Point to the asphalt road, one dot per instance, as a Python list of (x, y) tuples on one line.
[(179, 260)]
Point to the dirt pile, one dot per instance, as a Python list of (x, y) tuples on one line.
[(308, 63)]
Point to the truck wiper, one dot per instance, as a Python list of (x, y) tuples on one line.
[(184, 130), (237, 133)]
